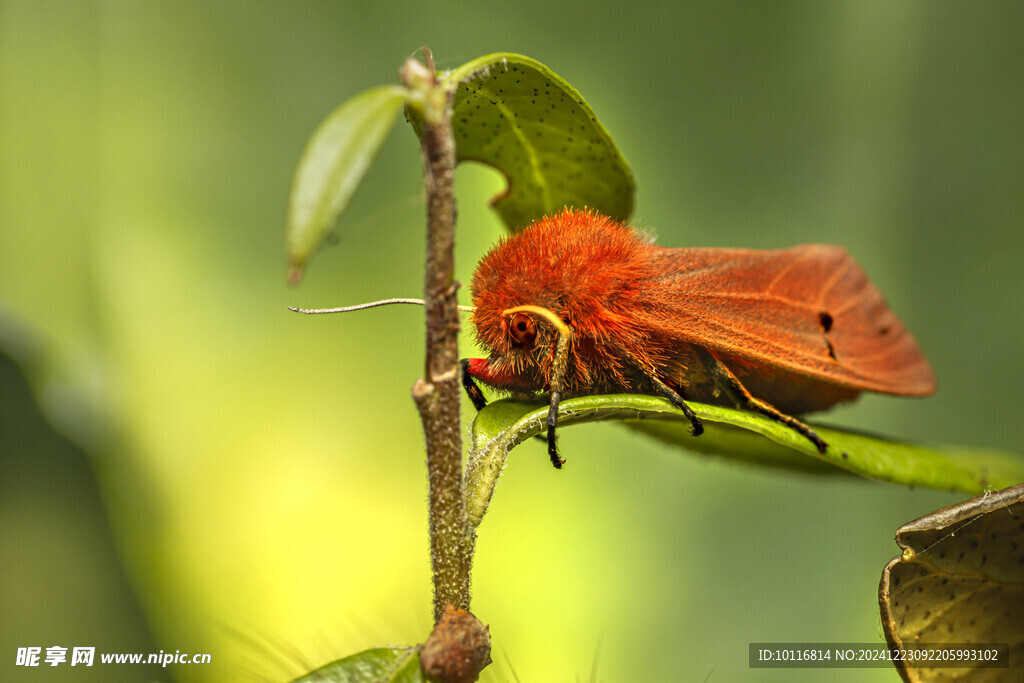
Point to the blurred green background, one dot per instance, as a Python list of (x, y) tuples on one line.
[(188, 466)]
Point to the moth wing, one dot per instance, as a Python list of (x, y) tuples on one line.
[(810, 309)]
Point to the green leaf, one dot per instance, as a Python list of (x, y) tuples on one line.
[(380, 665), (960, 579), (333, 164), (734, 434), (513, 113)]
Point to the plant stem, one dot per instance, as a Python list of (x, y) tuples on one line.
[(437, 395)]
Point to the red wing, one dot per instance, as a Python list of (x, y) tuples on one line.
[(810, 309)]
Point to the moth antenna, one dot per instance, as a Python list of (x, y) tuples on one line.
[(371, 304)]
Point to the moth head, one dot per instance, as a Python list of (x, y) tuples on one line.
[(524, 352), (519, 340)]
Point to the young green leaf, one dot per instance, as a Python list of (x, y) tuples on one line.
[(333, 164), (734, 434), (960, 579), (515, 114), (380, 665)]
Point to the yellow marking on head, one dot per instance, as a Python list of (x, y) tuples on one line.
[(545, 313)]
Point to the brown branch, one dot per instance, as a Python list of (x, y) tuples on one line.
[(437, 395)]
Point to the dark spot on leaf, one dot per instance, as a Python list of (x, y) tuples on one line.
[(831, 350), (845, 455), (826, 321)]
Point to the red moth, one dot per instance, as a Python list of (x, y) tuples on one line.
[(579, 304)]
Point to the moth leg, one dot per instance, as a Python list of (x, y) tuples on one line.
[(724, 378), (556, 460), (477, 396), (674, 396), (558, 370), (472, 390)]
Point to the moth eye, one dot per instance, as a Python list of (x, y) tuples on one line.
[(522, 328)]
